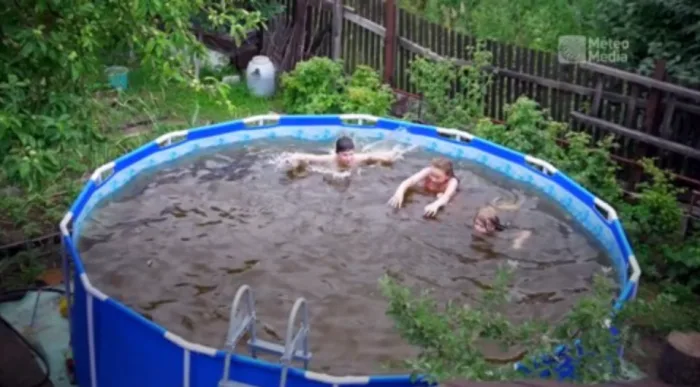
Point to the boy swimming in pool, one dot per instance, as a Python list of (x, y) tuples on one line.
[(345, 156), (487, 222), (438, 179)]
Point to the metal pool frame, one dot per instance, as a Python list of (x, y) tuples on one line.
[(115, 346)]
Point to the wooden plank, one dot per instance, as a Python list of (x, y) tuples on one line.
[(400, 72), (337, 29), (530, 56), (408, 44), (500, 81), (653, 98), (597, 96), (539, 71), (639, 136), (631, 116), (518, 69), (509, 80), (644, 81), (666, 129), (492, 90)]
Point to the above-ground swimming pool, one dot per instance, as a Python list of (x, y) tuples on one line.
[(115, 346)]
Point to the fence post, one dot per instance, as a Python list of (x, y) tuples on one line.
[(389, 40), (337, 29)]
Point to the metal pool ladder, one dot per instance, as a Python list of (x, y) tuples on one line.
[(243, 319)]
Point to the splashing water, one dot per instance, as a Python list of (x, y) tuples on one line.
[(284, 160)]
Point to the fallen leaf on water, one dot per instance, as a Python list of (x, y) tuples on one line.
[(51, 277)]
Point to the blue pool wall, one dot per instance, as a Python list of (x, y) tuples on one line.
[(115, 346)]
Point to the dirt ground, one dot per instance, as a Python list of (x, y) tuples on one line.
[(647, 354)]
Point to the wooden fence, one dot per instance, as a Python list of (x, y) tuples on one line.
[(648, 117)]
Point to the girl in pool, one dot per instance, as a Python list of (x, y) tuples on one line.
[(345, 156), (487, 222), (438, 179)]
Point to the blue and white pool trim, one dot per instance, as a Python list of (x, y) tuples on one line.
[(115, 346)]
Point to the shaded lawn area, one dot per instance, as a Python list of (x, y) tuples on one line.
[(126, 121)]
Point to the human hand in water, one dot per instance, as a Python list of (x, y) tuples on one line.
[(396, 201), (431, 210)]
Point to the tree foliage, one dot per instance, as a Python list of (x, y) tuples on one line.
[(53, 55), (656, 29)]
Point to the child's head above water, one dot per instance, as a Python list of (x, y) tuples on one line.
[(441, 170), (487, 222), (344, 150)]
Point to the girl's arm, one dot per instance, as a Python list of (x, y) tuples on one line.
[(521, 238), (433, 208), (397, 200), (448, 194), (413, 180)]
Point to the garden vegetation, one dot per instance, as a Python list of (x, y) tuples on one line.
[(655, 29), (59, 120), (450, 335)]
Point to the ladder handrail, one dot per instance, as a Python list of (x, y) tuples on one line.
[(243, 318), (291, 341), (244, 290), (238, 325)]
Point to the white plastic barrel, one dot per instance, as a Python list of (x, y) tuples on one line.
[(260, 76)]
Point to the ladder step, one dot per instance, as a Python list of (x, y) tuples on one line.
[(277, 349)]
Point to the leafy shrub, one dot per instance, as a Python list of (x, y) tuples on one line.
[(652, 222), (529, 130), (52, 61), (451, 336), (452, 95), (319, 86), (313, 87), (366, 94)]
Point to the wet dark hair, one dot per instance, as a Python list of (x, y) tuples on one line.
[(488, 218), (500, 226), (344, 144)]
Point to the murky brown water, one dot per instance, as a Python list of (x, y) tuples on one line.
[(177, 245)]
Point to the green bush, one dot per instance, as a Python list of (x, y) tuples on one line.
[(319, 86), (437, 81), (451, 336), (53, 56), (652, 222), (366, 94)]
